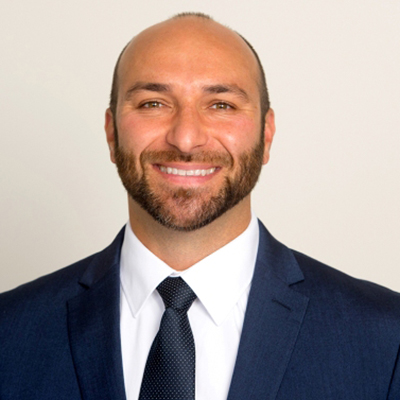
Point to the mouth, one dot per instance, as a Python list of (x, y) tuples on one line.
[(187, 172)]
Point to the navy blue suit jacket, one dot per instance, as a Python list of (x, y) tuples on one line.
[(310, 332)]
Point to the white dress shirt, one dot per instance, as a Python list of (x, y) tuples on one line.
[(221, 282)]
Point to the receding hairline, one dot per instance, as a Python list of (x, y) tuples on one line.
[(199, 17)]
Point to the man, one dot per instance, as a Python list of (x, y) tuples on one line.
[(189, 127)]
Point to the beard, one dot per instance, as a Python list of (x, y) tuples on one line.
[(186, 208)]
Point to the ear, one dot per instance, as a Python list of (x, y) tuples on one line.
[(110, 133), (269, 132)]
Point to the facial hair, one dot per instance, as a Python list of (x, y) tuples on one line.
[(182, 208)]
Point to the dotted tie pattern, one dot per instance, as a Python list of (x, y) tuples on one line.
[(170, 369)]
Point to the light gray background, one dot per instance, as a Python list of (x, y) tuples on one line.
[(332, 186)]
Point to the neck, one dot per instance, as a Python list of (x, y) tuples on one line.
[(181, 250)]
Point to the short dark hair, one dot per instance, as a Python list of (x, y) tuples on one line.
[(264, 96)]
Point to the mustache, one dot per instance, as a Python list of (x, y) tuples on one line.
[(209, 157)]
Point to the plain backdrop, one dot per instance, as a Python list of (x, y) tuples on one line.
[(331, 189)]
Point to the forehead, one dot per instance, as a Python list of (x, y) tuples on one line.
[(188, 49)]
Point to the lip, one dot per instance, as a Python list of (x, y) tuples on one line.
[(186, 166), (186, 173)]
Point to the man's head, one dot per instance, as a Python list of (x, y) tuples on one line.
[(189, 124)]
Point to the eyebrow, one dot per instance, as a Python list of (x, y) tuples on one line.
[(234, 89), (149, 86), (211, 89)]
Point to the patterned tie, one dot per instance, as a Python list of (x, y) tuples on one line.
[(170, 369)]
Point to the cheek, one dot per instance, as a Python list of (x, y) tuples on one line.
[(136, 134), (239, 136)]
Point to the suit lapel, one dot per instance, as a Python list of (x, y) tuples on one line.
[(273, 318), (94, 328)]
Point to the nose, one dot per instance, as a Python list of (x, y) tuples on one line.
[(187, 131)]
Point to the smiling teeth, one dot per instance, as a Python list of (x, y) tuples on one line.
[(187, 172)]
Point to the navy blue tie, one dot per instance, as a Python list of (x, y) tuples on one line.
[(170, 369)]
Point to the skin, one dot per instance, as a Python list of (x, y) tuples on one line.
[(190, 59)]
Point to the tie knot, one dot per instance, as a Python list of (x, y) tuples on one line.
[(176, 293)]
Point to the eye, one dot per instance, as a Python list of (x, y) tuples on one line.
[(221, 106), (151, 104)]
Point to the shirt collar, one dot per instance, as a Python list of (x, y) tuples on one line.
[(219, 280)]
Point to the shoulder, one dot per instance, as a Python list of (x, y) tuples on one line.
[(51, 292), (349, 297), (348, 333), (318, 275), (329, 290), (44, 293), (321, 282)]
